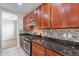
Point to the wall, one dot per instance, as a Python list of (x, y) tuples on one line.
[(8, 29), (20, 22), (19, 26), (63, 34), (0, 30)]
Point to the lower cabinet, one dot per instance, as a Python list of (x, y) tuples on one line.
[(33, 54), (38, 50), (21, 41), (51, 53)]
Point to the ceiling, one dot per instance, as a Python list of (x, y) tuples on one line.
[(25, 8)]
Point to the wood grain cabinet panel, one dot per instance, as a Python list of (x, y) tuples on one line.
[(58, 15), (35, 20), (39, 17), (45, 15), (54, 15), (33, 17), (33, 54), (73, 15), (26, 20), (38, 50), (21, 41), (51, 53)]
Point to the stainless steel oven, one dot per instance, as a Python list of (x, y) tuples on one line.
[(27, 46)]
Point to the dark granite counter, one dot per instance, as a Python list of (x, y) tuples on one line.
[(63, 47)]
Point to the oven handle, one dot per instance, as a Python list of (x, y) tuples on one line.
[(26, 40)]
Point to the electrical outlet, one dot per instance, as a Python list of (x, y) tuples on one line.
[(69, 35)]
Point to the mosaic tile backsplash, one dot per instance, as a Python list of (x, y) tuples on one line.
[(63, 34)]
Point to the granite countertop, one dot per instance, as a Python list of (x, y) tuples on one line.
[(63, 47)]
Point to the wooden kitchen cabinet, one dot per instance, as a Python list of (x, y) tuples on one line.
[(39, 18), (45, 8), (37, 49), (50, 16), (33, 54), (32, 17), (54, 16), (51, 53), (29, 21), (43, 16), (73, 15), (26, 20), (58, 15), (21, 41)]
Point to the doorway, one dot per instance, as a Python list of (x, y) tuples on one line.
[(9, 30), (9, 34)]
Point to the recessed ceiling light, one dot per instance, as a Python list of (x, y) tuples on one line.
[(20, 4)]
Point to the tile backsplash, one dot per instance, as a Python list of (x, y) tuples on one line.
[(63, 34)]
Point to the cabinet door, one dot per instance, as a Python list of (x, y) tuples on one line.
[(45, 15), (39, 17), (34, 19), (25, 21), (33, 54), (37, 49), (73, 15), (51, 53), (58, 15), (21, 41)]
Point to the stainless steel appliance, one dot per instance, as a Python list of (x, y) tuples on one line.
[(28, 46)]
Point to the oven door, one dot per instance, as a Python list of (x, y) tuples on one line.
[(27, 46)]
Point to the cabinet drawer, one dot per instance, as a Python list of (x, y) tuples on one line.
[(33, 54), (38, 50), (51, 53), (38, 46)]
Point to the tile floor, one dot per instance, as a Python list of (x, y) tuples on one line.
[(15, 51)]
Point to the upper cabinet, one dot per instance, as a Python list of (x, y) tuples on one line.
[(64, 15), (54, 16), (29, 21), (25, 21), (34, 19), (45, 15), (58, 15), (39, 18), (73, 15)]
